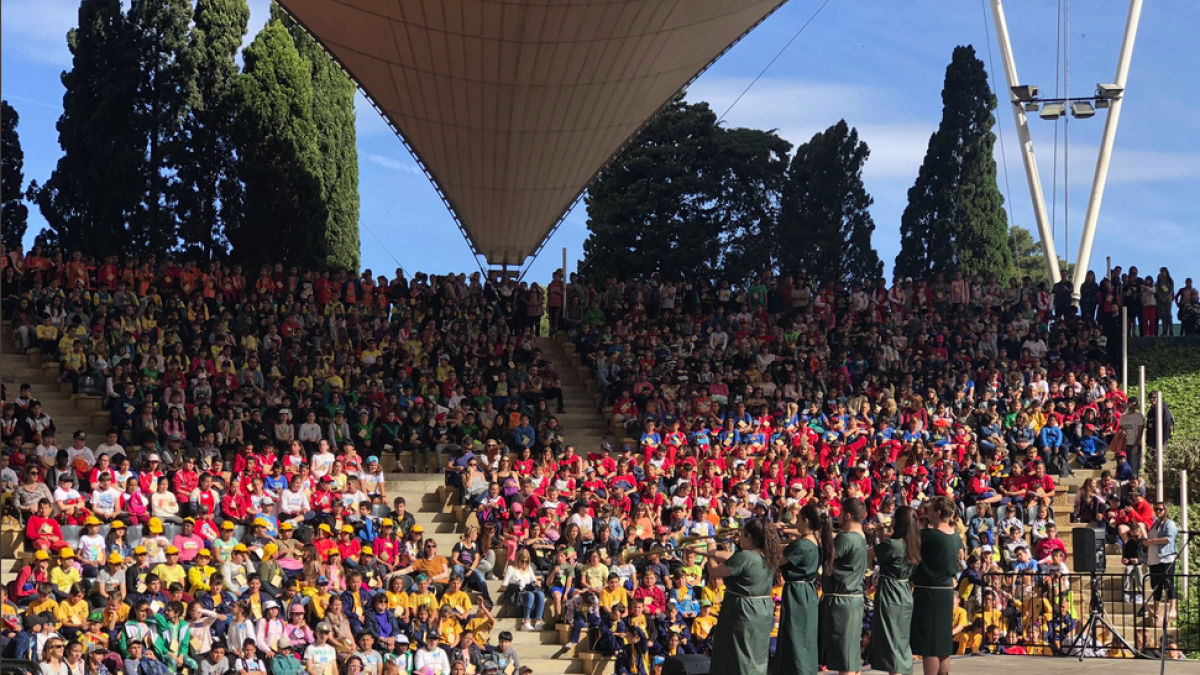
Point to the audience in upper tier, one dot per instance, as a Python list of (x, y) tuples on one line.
[(237, 514)]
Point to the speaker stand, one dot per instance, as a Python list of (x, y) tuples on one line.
[(1096, 618)]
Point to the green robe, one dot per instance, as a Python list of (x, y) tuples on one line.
[(933, 594), (842, 604), (741, 640), (890, 649), (796, 650)]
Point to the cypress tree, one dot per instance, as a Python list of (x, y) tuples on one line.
[(955, 216), (165, 88), (277, 157), (825, 223), (13, 212), (97, 185), (333, 114), (206, 176)]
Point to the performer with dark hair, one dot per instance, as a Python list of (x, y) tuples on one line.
[(933, 588), (896, 557), (742, 637), (796, 653), (842, 599)]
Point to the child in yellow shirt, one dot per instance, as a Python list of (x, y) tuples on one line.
[(73, 613), (970, 639)]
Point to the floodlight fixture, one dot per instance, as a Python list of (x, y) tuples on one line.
[(1025, 92), (1082, 110), (1032, 106), (1102, 103), (1053, 111), (1109, 92)]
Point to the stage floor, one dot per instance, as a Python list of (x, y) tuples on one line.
[(1040, 665)]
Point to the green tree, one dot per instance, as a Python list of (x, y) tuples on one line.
[(13, 211), (97, 185), (955, 215), (333, 114), (1028, 260), (165, 89), (825, 225), (750, 170), (277, 157), (206, 166), (687, 198), (648, 210)]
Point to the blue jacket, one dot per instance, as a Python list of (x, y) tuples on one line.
[(1051, 437), (377, 624)]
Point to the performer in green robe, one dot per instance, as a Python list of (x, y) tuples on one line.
[(842, 598), (896, 557), (741, 640), (796, 651), (933, 588)]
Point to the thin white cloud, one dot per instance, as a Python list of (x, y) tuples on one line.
[(394, 164), (800, 108), (36, 30)]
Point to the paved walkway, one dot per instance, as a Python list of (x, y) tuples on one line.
[(1038, 665)]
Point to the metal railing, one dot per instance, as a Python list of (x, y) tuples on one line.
[(1101, 615)]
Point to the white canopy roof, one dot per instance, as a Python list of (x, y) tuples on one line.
[(513, 106)]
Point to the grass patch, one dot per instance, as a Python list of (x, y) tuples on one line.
[(1175, 371)]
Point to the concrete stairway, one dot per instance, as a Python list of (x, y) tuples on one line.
[(585, 428)]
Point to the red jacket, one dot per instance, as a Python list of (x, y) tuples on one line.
[(43, 528)]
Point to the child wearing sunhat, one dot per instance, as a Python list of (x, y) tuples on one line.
[(156, 544), (65, 575), (202, 572)]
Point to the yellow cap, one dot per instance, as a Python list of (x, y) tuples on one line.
[(418, 529), (204, 552), (156, 526), (66, 553), (115, 559), (118, 525), (368, 550), (286, 526), (92, 520), (347, 529), (140, 550), (324, 527), (386, 522), (171, 550), (240, 548), (270, 550), (227, 525), (261, 522), (41, 555)]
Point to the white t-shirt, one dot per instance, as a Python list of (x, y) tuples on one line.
[(91, 548), (323, 659), (107, 502), (293, 503), (322, 463), (436, 658), (61, 495)]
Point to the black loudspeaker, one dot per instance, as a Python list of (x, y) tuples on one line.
[(686, 664), (1087, 544)]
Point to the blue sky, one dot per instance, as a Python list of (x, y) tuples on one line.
[(877, 64)]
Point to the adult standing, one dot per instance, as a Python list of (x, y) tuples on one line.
[(1164, 295), (741, 639), (896, 557), (1133, 423), (796, 652), (933, 588), (842, 600), (1161, 553)]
